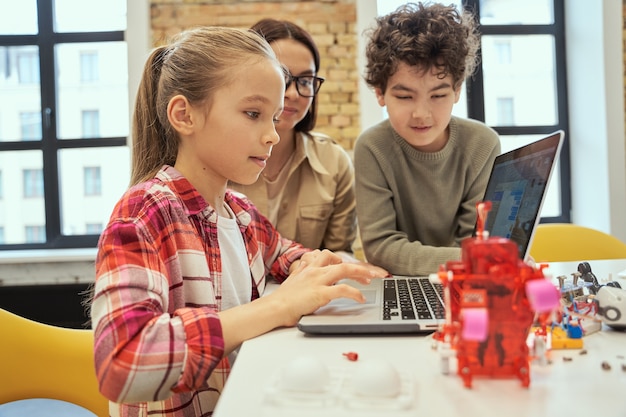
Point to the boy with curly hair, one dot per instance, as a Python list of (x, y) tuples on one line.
[(420, 173)]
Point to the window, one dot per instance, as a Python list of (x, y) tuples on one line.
[(89, 66), (519, 88), (28, 66), (1, 235), (93, 228), (30, 124), (35, 234), (64, 89), (521, 92), (505, 115), (91, 123), (503, 51), (33, 183), (92, 181)]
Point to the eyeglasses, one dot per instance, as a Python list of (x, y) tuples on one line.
[(306, 85)]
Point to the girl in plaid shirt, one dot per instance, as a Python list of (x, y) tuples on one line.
[(183, 261)]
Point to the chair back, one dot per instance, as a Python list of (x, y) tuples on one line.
[(566, 242), (44, 361)]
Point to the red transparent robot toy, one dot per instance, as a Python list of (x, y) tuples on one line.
[(492, 299)]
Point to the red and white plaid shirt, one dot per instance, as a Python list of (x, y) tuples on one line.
[(158, 339)]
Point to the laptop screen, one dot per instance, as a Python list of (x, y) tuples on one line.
[(517, 188)]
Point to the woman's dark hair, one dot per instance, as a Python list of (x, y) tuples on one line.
[(274, 30), (425, 35)]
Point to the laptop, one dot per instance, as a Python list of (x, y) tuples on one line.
[(517, 189)]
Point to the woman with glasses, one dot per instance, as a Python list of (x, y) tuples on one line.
[(307, 188)]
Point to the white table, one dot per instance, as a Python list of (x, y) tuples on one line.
[(575, 386)]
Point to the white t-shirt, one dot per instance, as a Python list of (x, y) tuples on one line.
[(236, 277)]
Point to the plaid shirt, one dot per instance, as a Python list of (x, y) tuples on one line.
[(158, 338)]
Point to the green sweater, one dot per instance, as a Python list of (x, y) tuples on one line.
[(413, 207)]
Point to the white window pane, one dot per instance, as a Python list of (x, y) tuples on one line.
[(18, 17), (103, 174), (20, 211), (529, 79), (20, 107), (89, 15), (516, 12), (388, 6), (106, 93)]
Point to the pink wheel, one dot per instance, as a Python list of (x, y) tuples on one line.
[(543, 295), (475, 324)]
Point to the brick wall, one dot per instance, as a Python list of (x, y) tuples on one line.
[(332, 23)]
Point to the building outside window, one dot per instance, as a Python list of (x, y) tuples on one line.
[(33, 183), (27, 65), (93, 228), (93, 181), (30, 125), (91, 123), (64, 89), (89, 66), (35, 234), (506, 113), (503, 51)]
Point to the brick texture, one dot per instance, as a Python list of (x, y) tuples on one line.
[(331, 23)]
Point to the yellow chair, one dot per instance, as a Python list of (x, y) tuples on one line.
[(565, 242), (43, 361)]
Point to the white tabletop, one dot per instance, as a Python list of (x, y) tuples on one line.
[(573, 384)]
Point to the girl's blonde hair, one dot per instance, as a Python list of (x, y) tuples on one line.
[(196, 63)]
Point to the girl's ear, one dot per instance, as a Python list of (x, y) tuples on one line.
[(179, 114)]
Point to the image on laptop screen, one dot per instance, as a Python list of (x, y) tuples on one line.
[(517, 189)]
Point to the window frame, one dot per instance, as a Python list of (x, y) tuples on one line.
[(475, 94), (50, 144)]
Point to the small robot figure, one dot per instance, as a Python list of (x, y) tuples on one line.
[(492, 299), (582, 300), (611, 301)]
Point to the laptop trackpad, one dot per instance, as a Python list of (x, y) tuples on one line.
[(370, 298)]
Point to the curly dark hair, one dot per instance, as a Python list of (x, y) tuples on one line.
[(274, 30), (426, 35)]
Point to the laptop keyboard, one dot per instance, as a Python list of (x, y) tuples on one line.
[(412, 298)]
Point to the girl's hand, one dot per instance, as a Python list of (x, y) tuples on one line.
[(311, 284), (349, 258)]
